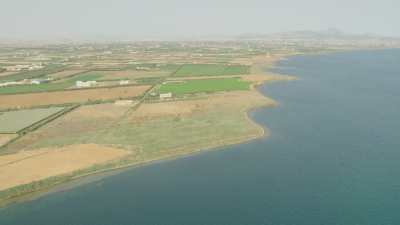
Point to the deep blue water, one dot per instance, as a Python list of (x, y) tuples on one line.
[(333, 158)]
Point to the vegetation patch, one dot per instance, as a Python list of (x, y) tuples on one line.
[(206, 85)]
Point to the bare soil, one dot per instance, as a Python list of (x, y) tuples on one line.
[(26, 167)]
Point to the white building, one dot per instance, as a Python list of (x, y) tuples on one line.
[(123, 82), (39, 81), (35, 82), (166, 95), (90, 83)]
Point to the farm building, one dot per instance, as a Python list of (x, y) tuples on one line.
[(90, 83), (123, 82), (166, 95), (39, 81), (24, 67)]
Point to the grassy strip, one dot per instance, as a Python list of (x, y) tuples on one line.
[(211, 70)]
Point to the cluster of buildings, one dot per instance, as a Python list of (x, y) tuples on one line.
[(34, 66), (5, 84), (25, 81), (92, 83)]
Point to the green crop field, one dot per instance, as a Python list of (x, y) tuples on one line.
[(29, 88), (211, 70), (91, 75), (14, 121), (206, 85)]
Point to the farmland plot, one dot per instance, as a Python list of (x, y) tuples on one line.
[(14, 121)]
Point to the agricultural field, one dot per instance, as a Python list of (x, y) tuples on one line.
[(65, 74), (205, 85), (15, 121), (70, 96), (131, 74), (211, 70), (82, 125), (85, 76), (154, 129)]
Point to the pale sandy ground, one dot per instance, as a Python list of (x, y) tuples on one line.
[(4, 138), (222, 99), (7, 73), (99, 111), (26, 167), (75, 96)]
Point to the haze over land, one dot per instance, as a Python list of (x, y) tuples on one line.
[(177, 19)]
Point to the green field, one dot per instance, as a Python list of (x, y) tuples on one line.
[(206, 85), (29, 88), (91, 75), (211, 70), (14, 121)]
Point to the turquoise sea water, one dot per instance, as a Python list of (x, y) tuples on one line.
[(333, 158)]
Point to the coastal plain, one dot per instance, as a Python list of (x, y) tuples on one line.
[(134, 114)]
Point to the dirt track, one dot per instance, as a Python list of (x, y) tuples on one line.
[(4, 138)]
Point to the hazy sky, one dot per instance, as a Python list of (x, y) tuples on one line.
[(44, 19)]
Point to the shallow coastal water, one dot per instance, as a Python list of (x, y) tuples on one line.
[(333, 158)]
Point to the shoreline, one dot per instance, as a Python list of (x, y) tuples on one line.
[(179, 154), (60, 183)]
